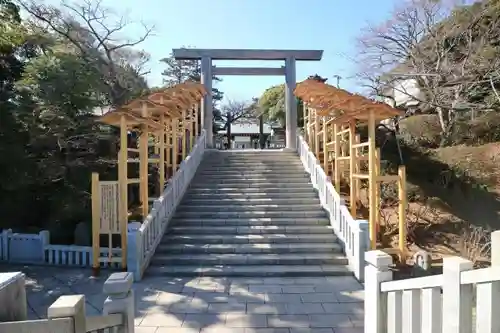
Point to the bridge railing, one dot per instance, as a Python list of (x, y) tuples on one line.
[(461, 300), (352, 233), (67, 314), (143, 238)]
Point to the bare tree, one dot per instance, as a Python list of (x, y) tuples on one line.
[(445, 49), (96, 34), (237, 111)]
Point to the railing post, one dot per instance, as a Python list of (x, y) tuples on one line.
[(44, 241), (120, 299), (488, 294), (5, 244), (457, 298), (134, 257), (360, 247), (376, 272), (70, 306)]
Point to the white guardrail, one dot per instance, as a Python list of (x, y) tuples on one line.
[(144, 238), (352, 234)]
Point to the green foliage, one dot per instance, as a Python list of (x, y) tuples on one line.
[(179, 71), (272, 103), (49, 139)]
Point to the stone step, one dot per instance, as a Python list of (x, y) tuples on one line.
[(251, 173), (255, 168), (238, 259), (249, 201), (250, 271), (243, 239), (272, 157), (228, 207), (271, 221), (251, 248), (248, 195), (252, 230), (248, 165), (252, 214), (250, 181), (242, 186), (255, 178), (298, 191)]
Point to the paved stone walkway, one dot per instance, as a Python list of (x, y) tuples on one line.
[(219, 305)]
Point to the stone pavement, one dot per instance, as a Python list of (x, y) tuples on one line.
[(205, 305)]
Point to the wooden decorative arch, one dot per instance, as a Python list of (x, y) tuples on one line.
[(166, 120), (330, 119)]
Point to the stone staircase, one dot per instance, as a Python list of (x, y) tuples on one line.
[(249, 213)]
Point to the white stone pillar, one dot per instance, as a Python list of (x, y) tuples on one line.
[(118, 288), (290, 104), (207, 106)]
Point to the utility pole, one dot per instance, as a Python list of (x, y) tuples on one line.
[(338, 77)]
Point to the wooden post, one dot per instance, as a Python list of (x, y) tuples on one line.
[(402, 210), (372, 179), (168, 142), (96, 222), (196, 124), (175, 144), (191, 128), (357, 167), (306, 123), (377, 190), (352, 168), (184, 136), (122, 188), (336, 161), (325, 148), (143, 164), (162, 153), (316, 133)]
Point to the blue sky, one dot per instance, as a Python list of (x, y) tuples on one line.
[(330, 25)]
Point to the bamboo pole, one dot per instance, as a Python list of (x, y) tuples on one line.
[(96, 222), (372, 179), (122, 188), (402, 211)]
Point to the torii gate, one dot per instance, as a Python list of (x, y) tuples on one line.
[(208, 71)]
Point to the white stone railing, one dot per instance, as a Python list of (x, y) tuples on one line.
[(352, 233), (67, 314), (144, 238), (461, 300), (36, 249)]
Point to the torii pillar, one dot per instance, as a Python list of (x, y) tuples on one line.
[(290, 104), (207, 112)]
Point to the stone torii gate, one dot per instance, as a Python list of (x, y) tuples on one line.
[(208, 71)]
